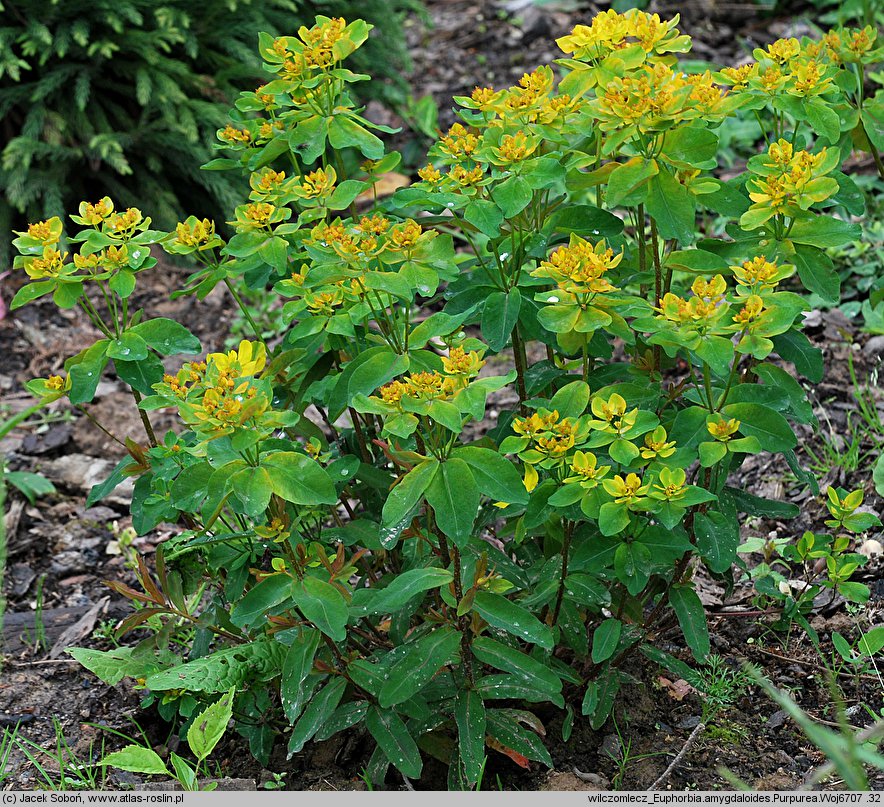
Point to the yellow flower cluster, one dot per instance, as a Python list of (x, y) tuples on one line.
[(804, 69), (195, 233), (788, 182), (221, 394), (551, 436), (702, 309), (655, 96), (610, 32), (760, 275), (458, 368), (580, 267)]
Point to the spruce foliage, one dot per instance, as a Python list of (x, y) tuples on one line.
[(97, 93)]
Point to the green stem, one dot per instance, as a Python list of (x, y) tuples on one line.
[(520, 359), (463, 622), (566, 547), (245, 311), (658, 285), (145, 420), (707, 384), (98, 425)]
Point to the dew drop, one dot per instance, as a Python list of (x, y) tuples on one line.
[(552, 299), (595, 232)]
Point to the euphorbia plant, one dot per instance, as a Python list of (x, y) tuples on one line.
[(371, 533)]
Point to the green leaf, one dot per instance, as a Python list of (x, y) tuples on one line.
[(671, 205), (208, 726), (167, 337), (558, 318), (393, 739), (503, 726), (85, 371), (219, 671), (824, 231), (692, 619), (267, 594), (129, 347), (503, 657), (400, 592), (31, 292), (363, 375), (873, 123), (605, 640), (296, 667), (485, 216), (717, 352), (345, 716), (183, 772), (823, 119), (717, 539), (753, 505), (454, 496), (140, 375), (795, 347), (252, 489), (512, 195), (408, 493), (112, 666), (495, 476), (626, 179), (320, 708), (138, 759), (469, 715), (771, 428), (499, 317), (571, 400), (878, 476), (29, 484), (323, 605), (343, 131), (598, 700), (817, 272), (585, 220), (613, 518), (417, 667), (67, 294), (693, 146), (298, 478), (872, 641), (499, 612), (341, 198)]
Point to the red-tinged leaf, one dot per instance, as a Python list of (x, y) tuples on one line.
[(515, 756), (139, 617), (128, 593), (147, 581)]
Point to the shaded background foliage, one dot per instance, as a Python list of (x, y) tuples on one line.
[(123, 97)]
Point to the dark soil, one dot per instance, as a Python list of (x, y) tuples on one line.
[(60, 553)]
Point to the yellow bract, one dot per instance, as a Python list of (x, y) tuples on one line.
[(580, 267), (625, 491), (722, 429), (656, 445), (670, 484), (248, 360)]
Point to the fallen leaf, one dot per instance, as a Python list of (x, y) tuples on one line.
[(678, 689)]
